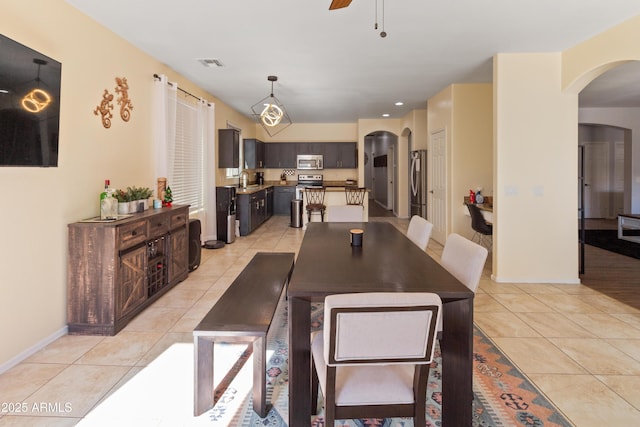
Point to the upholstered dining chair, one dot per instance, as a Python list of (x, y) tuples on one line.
[(372, 357), (479, 225), (355, 195), (465, 260), (315, 201), (419, 231)]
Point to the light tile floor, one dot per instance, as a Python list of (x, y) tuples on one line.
[(582, 349)]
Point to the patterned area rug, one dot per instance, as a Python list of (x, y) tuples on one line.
[(502, 395)]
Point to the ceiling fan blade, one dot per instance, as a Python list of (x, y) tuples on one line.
[(339, 4)]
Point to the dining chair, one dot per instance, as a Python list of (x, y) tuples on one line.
[(345, 213), (355, 195), (479, 225), (315, 201), (372, 357), (419, 231), (465, 260)]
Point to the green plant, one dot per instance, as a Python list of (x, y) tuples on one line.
[(122, 196), (139, 193)]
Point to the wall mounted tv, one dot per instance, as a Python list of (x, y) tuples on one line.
[(29, 106)]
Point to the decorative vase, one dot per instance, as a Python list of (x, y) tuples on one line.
[(123, 208)]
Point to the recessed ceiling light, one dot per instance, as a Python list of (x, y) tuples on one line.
[(386, 115), (211, 62), (399, 103), (4, 90)]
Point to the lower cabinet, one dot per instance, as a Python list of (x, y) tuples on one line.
[(253, 209), (282, 199), (116, 269)]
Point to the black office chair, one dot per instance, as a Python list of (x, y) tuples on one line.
[(482, 228)]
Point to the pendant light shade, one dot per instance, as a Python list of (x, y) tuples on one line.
[(270, 112)]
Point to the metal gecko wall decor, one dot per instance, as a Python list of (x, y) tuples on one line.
[(106, 105)]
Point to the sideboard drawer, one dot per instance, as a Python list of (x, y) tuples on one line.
[(179, 219), (131, 234), (158, 225)]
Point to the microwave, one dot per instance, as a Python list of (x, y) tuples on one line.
[(309, 161)]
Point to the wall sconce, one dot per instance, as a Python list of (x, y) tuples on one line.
[(270, 112)]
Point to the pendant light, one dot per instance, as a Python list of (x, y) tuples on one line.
[(270, 112), (37, 99)]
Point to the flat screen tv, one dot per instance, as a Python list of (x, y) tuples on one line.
[(29, 106)]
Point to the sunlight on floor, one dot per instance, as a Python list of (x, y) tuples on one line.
[(161, 394)]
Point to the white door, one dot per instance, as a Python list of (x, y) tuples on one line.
[(597, 191), (437, 196)]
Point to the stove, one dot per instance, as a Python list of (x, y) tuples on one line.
[(308, 180)]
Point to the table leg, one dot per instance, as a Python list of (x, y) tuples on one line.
[(299, 362), (203, 375), (457, 363), (259, 377)]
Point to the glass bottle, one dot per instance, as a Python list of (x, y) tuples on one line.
[(108, 203)]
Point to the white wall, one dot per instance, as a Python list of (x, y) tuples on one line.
[(628, 118)]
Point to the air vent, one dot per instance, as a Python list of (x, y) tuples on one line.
[(211, 62)]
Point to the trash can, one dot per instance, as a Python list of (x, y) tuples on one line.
[(296, 213)]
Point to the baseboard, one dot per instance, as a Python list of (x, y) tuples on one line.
[(33, 349), (543, 281)]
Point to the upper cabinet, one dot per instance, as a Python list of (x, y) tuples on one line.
[(280, 155), (337, 155), (254, 153), (340, 155), (228, 148)]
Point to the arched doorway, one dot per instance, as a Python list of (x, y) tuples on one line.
[(380, 172)]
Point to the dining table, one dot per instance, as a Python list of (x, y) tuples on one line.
[(387, 261)]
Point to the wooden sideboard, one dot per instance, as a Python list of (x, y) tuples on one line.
[(116, 269)]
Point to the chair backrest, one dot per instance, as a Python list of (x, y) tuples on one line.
[(315, 195), (380, 328), (355, 195), (464, 259), (419, 231), (478, 222), (345, 213)]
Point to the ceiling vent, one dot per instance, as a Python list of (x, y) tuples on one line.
[(211, 62)]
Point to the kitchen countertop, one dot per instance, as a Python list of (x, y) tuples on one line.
[(254, 188)]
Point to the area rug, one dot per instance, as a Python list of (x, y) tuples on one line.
[(502, 395), (608, 240)]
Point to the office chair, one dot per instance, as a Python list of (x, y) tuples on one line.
[(480, 226)]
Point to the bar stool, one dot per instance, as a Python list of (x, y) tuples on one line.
[(315, 201), (355, 195)]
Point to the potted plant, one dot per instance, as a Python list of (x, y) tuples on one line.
[(123, 201)]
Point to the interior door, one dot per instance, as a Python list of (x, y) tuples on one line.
[(437, 203), (597, 191)]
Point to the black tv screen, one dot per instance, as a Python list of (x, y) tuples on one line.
[(29, 106)]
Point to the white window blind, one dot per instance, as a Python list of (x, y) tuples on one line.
[(187, 184)]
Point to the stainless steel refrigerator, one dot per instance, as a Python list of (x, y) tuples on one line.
[(418, 180)]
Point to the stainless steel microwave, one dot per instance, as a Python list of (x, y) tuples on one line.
[(309, 161)]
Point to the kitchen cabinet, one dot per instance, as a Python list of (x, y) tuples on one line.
[(283, 196), (115, 269), (253, 209), (228, 148), (340, 155), (269, 201), (280, 155), (253, 150)]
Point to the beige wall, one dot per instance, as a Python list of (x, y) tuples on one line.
[(535, 158), (465, 112)]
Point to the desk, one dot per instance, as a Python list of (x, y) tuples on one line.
[(387, 262)]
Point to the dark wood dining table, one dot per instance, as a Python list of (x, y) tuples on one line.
[(387, 261)]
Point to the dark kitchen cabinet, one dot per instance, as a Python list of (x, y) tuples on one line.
[(340, 155), (280, 155), (228, 148), (310, 147), (269, 196), (282, 199), (253, 153), (253, 209)]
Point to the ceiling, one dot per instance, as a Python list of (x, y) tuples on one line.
[(334, 67)]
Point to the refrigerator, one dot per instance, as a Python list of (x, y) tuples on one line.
[(418, 180)]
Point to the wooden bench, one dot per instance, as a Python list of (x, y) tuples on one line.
[(243, 314)]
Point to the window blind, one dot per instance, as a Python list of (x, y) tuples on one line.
[(187, 184)]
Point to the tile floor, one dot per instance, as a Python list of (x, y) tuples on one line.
[(582, 349)]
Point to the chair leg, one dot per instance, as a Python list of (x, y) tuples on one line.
[(314, 389)]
